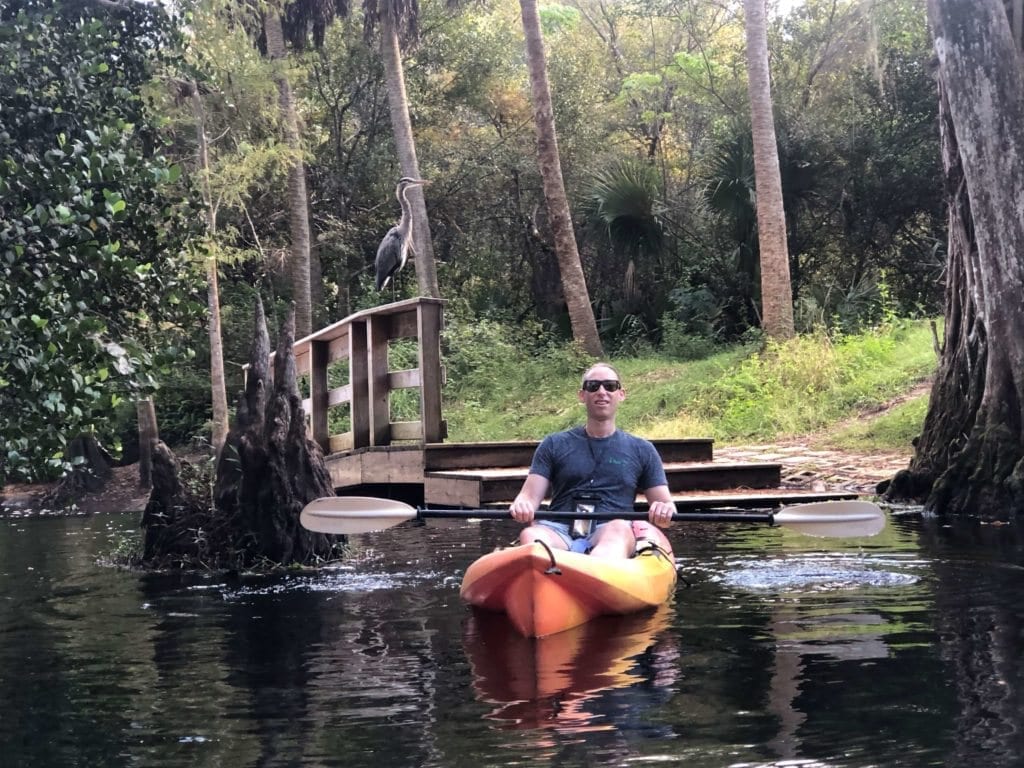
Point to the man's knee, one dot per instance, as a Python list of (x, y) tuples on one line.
[(533, 533), (620, 529)]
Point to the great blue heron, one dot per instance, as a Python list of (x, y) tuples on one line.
[(393, 251)]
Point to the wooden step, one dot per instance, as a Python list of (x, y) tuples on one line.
[(454, 456), (678, 450), (476, 487), (720, 475), (509, 454)]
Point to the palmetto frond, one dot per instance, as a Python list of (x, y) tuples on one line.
[(623, 199), (303, 19), (729, 187), (404, 15)]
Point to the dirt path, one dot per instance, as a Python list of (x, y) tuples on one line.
[(808, 465), (816, 469)]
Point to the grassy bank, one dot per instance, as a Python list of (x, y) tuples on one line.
[(811, 384)]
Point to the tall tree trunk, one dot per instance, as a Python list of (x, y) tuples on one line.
[(970, 455), (391, 53), (776, 289), (577, 297), (298, 213), (218, 382), (149, 433)]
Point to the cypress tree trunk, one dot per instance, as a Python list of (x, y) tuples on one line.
[(270, 469), (970, 455), (267, 472)]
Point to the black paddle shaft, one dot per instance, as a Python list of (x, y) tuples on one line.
[(725, 516)]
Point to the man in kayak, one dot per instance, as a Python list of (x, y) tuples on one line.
[(594, 467)]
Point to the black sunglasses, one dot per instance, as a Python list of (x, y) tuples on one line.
[(610, 385)]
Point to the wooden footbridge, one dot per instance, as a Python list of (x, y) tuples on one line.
[(410, 460)]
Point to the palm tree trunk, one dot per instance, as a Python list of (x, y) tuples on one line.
[(577, 298), (298, 213), (218, 382), (426, 269), (776, 289)]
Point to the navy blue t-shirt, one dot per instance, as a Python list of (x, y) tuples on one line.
[(614, 468)]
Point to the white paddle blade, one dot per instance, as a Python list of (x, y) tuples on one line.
[(833, 518), (354, 514)]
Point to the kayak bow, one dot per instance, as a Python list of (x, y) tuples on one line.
[(545, 591)]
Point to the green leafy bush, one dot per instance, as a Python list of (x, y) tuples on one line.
[(95, 288)]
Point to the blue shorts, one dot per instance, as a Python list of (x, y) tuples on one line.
[(564, 531)]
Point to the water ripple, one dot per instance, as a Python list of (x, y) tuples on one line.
[(817, 573), (350, 582)]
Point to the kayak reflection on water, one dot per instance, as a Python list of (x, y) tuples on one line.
[(560, 682)]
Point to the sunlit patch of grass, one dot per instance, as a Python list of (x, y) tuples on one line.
[(891, 431), (810, 382), (679, 426), (517, 392)]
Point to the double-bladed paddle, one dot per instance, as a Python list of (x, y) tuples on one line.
[(362, 514)]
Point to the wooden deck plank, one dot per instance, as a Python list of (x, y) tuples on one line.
[(393, 464), (454, 456), (684, 449), (751, 499), (519, 453), (485, 486), (501, 473)]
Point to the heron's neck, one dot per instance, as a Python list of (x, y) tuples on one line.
[(406, 209)]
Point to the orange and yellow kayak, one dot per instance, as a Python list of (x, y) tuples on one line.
[(547, 591)]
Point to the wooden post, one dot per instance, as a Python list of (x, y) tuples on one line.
[(378, 334), (429, 332), (318, 359), (359, 384)]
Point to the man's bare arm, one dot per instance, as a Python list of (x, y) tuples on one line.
[(529, 499)]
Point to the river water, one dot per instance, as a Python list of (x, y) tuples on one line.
[(778, 650)]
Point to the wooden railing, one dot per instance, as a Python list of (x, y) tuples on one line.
[(363, 340)]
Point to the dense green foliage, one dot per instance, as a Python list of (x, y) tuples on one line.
[(655, 151), (93, 284), (651, 109)]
